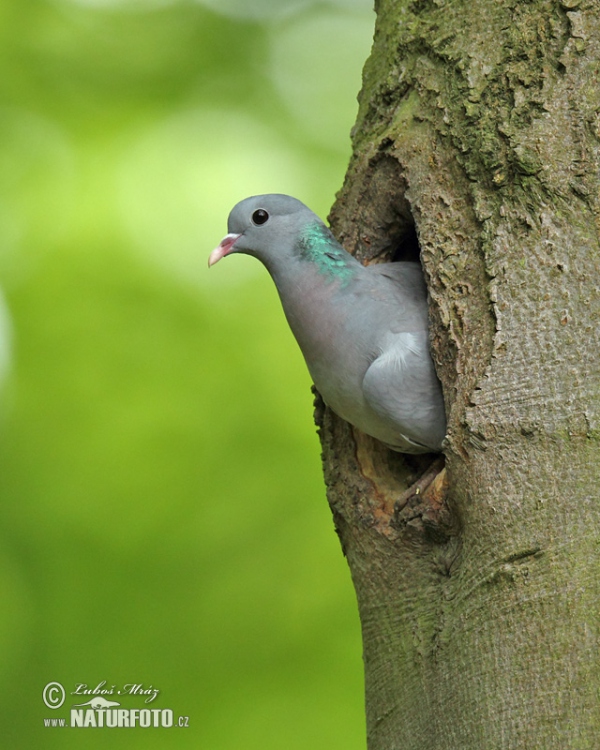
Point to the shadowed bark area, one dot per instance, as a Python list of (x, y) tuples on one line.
[(479, 133)]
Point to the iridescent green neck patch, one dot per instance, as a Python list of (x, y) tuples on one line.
[(318, 245)]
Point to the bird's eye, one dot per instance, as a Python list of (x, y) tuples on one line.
[(260, 216)]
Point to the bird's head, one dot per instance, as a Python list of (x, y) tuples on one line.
[(267, 227)]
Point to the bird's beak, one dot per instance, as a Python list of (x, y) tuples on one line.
[(224, 249)]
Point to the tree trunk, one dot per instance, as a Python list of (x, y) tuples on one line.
[(479, 129)]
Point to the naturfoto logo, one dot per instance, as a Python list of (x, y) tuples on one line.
[(100, 711)]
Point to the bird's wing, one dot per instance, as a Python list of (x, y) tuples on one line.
[(403, 390), (399, 289)]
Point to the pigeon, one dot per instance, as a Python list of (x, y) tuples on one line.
[(363, 330)]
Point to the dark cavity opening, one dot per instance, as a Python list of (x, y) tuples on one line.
[(407, 248)]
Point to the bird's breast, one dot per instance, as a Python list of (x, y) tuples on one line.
[(322, 324)]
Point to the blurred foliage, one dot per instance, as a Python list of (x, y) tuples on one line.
[(162, 511)]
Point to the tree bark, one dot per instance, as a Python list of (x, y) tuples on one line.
[(479, 133)]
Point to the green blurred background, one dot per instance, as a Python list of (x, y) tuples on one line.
[(163, 516)]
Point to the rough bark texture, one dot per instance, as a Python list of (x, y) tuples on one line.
[(479, 127)]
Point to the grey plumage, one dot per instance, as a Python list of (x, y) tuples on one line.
[(363, 330)]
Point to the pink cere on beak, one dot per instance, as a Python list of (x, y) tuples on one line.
[(224, 249)]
